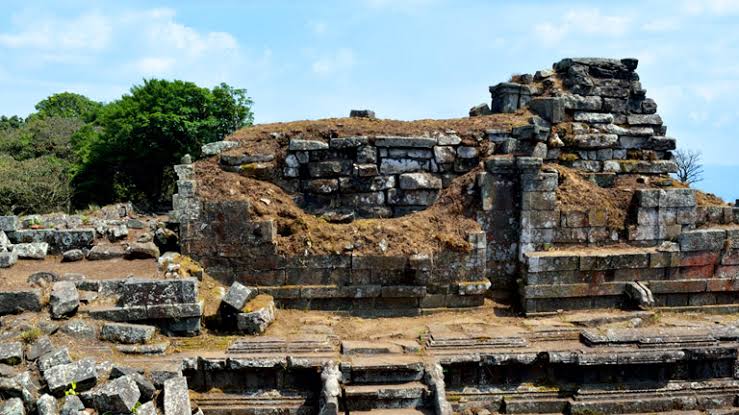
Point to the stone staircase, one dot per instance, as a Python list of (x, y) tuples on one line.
[(378, 382)]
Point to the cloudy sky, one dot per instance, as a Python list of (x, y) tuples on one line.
[(406, 59)]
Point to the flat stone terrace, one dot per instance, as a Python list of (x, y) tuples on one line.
[(576, 363)]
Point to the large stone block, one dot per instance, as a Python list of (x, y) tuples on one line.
[(117, 396), (83, 373), (397, 166), (64, 300), (306, 145), (9, 223), (549, 108), (176, 397), (702, 240), (126, 333), (19, 301), (8, 259), (137, 291), (395, 141), (33, 250), (545, 262)]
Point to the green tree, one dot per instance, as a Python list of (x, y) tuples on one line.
[(147, 131), (68, 105), (12, 122), (36, 185)]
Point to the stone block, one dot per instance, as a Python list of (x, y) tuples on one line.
[(411, 197), (126, 333), (545, 219), (398, 166), (467, 152), (696, 258), (260, 315), (306, 145), (539, 182), (8, 259), (593, 117), (595, 140), (549, 108), (64, 300), (702, 240), (237, 296), (176, 397), (59, 378), (677, 198), (9, 223), (644, 119), (11, 353), (582, 103), (54, 358), (413, 181), (332, 168), (320, 186), (538, 262), (415, 142), (538, 201), (348, 142), (32, 250), (117, 396), (19, 301), (137, 291)]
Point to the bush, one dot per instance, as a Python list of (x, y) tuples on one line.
[(38, 185)]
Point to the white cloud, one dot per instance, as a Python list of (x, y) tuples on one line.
[(404, 6), (586, 21), (340, 61), (663, 24), (716, 7), (90, 31), (153, 65)]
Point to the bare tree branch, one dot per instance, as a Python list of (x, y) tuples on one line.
[(689, 166)]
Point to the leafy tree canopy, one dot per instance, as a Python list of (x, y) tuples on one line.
[(68, 105)]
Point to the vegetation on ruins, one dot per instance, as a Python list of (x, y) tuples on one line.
[(74, 151)]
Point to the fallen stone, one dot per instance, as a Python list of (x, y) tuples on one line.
[(10, 388), (117, 396), (237, 296), (639, 294), (73, 255), (64, 300), (78, 328), (176, 397), (40, 347), (13, 406), (103, 252), (145, 349), (257, 320), (83, 373), (18, 301), (148, 408), (8, 259), (146, 388), (9, 223), (46, 405), (54, 358), (126, 333), (480, 110), (11, 353), (31, 250), (117, 371), (72, 405), (42, 279), (142, 250), (7, 371), (362, 114), (217, 147)]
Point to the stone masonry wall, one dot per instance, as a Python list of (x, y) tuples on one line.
[(379, 176)]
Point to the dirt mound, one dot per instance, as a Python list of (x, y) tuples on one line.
[(444, 225), (273, 138)]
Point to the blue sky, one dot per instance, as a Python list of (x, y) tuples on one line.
[(406, 59)]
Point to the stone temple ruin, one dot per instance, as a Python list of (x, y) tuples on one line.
[(534, 257)]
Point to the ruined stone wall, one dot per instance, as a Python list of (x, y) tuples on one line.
[(233, 247), (382, 176)]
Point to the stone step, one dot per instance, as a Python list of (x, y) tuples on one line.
[(265, 403), (383, 369), (261, 345), (390, 396), (360, 347)]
